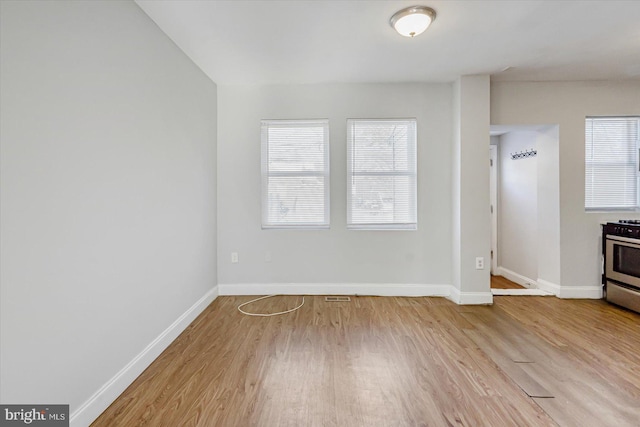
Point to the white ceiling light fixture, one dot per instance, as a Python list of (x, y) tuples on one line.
[(413, 20)]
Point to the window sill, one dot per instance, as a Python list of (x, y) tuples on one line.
[(386, 227), (296, 227), (611, 210)]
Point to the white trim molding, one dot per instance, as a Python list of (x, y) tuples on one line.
[(580, 292), (375, 289), (517, 278), (548, 286), (521, 292), (571, 292), (101, 399), (470, 298)]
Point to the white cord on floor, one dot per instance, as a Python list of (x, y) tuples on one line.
[(266, 314)]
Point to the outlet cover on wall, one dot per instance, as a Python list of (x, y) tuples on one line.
[(480, 263), (234, 257)]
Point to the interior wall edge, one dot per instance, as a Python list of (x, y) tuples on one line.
[(515, 277), (368, 289), (580, 292), (548, 286), (109, 392), (571, 292), (470, 298)]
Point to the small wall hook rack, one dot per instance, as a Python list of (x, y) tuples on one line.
[(524, 154)]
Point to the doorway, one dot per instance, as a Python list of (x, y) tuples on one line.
[(524, 203)]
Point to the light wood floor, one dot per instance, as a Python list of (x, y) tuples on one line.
[(501, 282), (384, 361)]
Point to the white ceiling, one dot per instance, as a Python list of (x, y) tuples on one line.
[(321, 41)]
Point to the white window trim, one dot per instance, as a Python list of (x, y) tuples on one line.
[(412, 226), (604, 209), (266, 174)]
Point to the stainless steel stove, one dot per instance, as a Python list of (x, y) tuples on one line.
[(621, 247)]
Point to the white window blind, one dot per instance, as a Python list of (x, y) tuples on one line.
[(611, 163), (382, 174), (295, 174)]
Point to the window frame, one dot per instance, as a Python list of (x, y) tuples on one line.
[(265, 124), (411, 172), (632, 163)]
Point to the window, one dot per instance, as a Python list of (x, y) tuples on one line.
[(611, 163), (295, 174), (381, 174)]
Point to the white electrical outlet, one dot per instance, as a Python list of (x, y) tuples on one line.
[(479, 263), (234, 257)]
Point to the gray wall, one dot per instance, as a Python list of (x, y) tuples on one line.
[(335, 255), (108, 201), (549, 258), (470, 190), (567, 104), (518, 208)]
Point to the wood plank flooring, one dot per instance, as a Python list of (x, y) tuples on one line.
[(501, 282), (384, 361)]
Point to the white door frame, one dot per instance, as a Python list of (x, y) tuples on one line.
[(493, 205)]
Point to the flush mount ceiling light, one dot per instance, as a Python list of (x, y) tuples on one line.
[(413, 20)]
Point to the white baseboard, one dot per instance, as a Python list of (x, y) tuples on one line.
[(96, 404), (377, 289), (549, 286), (580, 292), (470, 298), (517, 278), (566, 292), (521, 292), (571, 292)]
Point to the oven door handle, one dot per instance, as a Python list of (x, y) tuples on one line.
[(624, 239)]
